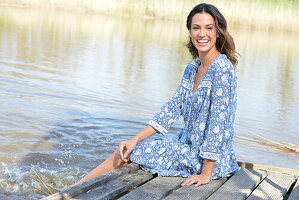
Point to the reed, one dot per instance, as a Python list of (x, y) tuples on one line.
[(285, 147), (44, 187), (40, 181), (270, 15)]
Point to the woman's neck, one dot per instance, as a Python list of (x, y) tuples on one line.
[(206, 59)]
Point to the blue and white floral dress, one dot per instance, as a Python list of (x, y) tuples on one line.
[(208, 126)]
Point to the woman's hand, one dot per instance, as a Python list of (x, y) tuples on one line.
[(204, 177), (125, 148), (197, 180)]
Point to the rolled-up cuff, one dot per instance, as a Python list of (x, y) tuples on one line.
[(209, 155), (157, 127)]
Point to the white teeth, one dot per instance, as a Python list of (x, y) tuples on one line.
[(202, 41)]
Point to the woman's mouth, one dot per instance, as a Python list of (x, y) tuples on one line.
[(202, 41)]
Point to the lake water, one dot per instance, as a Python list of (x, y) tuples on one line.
[(72, 86)]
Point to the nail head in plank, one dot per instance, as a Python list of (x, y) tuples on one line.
[(196, 193), (295, 192), (91, 184), (273, 187), (156, 188), (240, 185), (117, 186)]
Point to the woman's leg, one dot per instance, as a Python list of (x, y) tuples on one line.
[(112, 163)]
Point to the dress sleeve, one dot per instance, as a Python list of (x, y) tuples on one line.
[(219, 126), (170, 111)]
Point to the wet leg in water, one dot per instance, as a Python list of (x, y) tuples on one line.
[(112, 163)]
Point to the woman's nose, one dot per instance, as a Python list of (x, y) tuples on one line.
[(202, 32)]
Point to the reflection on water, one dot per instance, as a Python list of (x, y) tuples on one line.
[(73, 86)]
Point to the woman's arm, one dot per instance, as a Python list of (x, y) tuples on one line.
[(127, 146), (169, 112), (219, 125), (204, 177), (161, 122)]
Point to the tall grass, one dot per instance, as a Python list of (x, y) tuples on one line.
[(163, 32), (276, 15)]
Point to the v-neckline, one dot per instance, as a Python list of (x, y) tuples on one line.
[(193, 87), (192, 93)]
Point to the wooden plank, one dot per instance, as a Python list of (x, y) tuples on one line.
[(273, 187), (157, 188), (295, 192), (91, 184), (240, 185), (196, 193), (255, 166), (117, 186)]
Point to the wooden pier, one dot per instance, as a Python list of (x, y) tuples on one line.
[(251, 182)]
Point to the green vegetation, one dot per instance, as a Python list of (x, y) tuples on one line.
[(278, 15)]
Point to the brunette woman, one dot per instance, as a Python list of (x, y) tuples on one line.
[(206, 99)]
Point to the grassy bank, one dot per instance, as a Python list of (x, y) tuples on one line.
[(263, 14)]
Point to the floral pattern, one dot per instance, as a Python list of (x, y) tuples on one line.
[(208, 130)]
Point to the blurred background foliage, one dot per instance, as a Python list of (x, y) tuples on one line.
[(270, 15)]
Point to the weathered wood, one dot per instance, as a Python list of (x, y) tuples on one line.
[(120, 184), (157, 188), (295, 192), (196, 193), (268, 168), (117, 186), (240, 185), (273, 187), (91, 184)]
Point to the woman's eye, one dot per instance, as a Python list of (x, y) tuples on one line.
[(210, 28)]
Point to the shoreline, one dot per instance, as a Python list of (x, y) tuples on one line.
[(271, 16)]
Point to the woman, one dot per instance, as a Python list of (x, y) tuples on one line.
[(206, 98)]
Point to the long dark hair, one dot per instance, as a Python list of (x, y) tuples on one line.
[(224, 43)]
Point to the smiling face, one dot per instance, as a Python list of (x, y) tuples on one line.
[(203, 33)]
